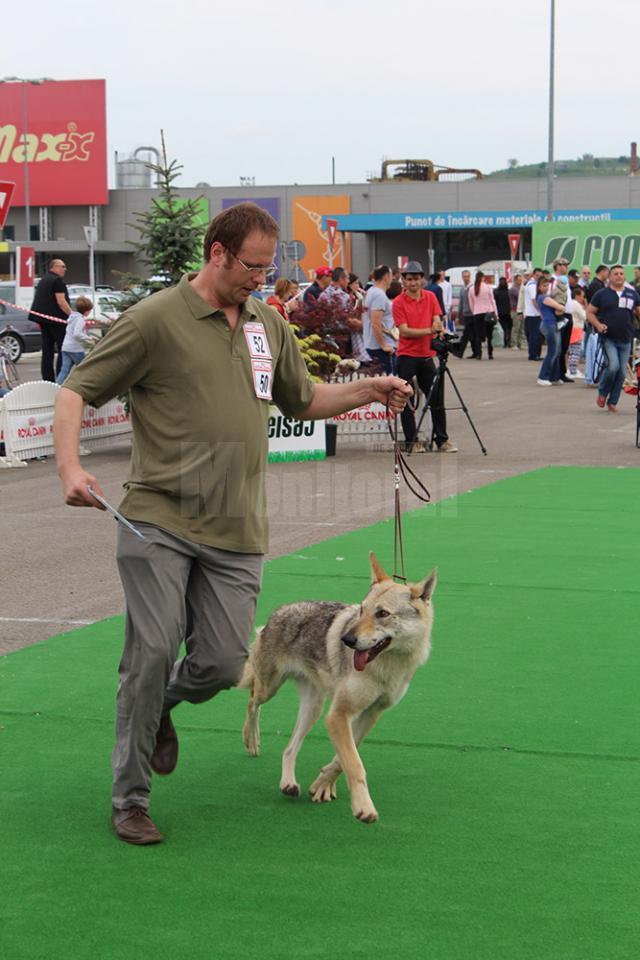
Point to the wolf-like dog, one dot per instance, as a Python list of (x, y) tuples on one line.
[(362, 657)]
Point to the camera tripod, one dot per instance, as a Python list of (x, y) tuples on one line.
[(442, 371)]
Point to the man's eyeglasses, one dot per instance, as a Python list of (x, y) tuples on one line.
[(269, 271)]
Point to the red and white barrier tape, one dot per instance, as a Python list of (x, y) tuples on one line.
[(44, 316)]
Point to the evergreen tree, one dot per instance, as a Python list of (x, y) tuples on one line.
[(170, 241)]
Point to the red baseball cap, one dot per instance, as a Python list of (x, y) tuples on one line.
[(323, 272)]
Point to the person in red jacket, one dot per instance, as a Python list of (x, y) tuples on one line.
[(417, 315)]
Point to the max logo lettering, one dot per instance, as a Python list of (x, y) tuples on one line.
[(47, 146), (76, 146)]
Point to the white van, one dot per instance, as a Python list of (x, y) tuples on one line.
[(493, 268)]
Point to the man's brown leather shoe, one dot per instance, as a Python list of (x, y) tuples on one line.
[(165, 753), (134, 825)]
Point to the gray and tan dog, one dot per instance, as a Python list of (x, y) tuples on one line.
[(362, 657)]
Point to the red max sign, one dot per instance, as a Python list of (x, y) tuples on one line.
[(66, 142)]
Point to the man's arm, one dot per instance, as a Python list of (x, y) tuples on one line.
[(66, 429), (331, 399), (62, 303), (414, 333), (592, 318), (376, 328)]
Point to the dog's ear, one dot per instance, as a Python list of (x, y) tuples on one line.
[(377, 573), (424, 589)]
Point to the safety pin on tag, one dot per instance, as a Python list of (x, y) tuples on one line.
[(114, 512)]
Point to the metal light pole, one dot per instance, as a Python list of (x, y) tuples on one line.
[(24, 81), (550, 161)]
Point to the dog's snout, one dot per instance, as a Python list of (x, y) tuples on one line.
[(350, 640)]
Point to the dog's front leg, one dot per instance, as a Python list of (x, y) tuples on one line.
[(339, 727), (323, 788)]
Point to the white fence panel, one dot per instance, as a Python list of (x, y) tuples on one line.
[(102, 425), (28, 422), (368, 424)]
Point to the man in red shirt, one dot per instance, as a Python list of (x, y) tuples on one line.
[(417, 315)]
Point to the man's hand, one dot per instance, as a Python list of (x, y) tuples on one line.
[(74, 487), (436, 325), (391, 390)]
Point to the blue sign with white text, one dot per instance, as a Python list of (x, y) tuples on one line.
[(469, 219)]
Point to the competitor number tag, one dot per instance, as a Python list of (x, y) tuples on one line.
[(260, 356)]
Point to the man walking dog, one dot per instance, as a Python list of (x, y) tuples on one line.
[(201, 362)]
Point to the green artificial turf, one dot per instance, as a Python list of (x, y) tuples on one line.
[(507, 780)]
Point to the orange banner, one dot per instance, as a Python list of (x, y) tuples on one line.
[(306, 222)]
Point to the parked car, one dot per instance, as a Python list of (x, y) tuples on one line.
[(18, 334), (107, 304)]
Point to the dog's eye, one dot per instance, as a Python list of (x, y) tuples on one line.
[(381, 614)]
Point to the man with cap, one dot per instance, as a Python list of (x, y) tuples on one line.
[(417, 315), (321, 282), (559, 278)]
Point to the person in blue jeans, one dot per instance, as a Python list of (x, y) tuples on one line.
[(550, 369), (611, 313), (76, 339)]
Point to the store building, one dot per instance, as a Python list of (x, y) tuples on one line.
[(445, 223)]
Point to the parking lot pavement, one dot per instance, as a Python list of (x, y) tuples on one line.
[(59, 565)]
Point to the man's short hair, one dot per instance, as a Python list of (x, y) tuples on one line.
[(381, 272), (51, 263), (602, 267), (338, 273), (537, 270), (232, 226), (616, 266)]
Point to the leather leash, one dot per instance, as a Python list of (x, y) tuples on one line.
[(402, 469)]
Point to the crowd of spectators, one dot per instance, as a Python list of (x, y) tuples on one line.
[(553, 314)]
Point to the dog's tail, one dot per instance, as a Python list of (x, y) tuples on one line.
[(248, 675)]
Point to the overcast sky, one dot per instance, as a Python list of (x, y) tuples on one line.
[(274, 89)]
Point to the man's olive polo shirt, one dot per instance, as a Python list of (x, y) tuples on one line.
[(199, 431)]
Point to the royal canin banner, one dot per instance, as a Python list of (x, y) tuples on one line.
[(66, 142)]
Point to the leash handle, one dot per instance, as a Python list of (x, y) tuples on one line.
[(402, 469)]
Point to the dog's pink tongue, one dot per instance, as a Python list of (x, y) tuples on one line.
[(360, 659)]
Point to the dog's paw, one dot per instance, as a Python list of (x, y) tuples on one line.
[(323, 790), (362, 806), (368, 815), (290, 789), (251, 738)]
